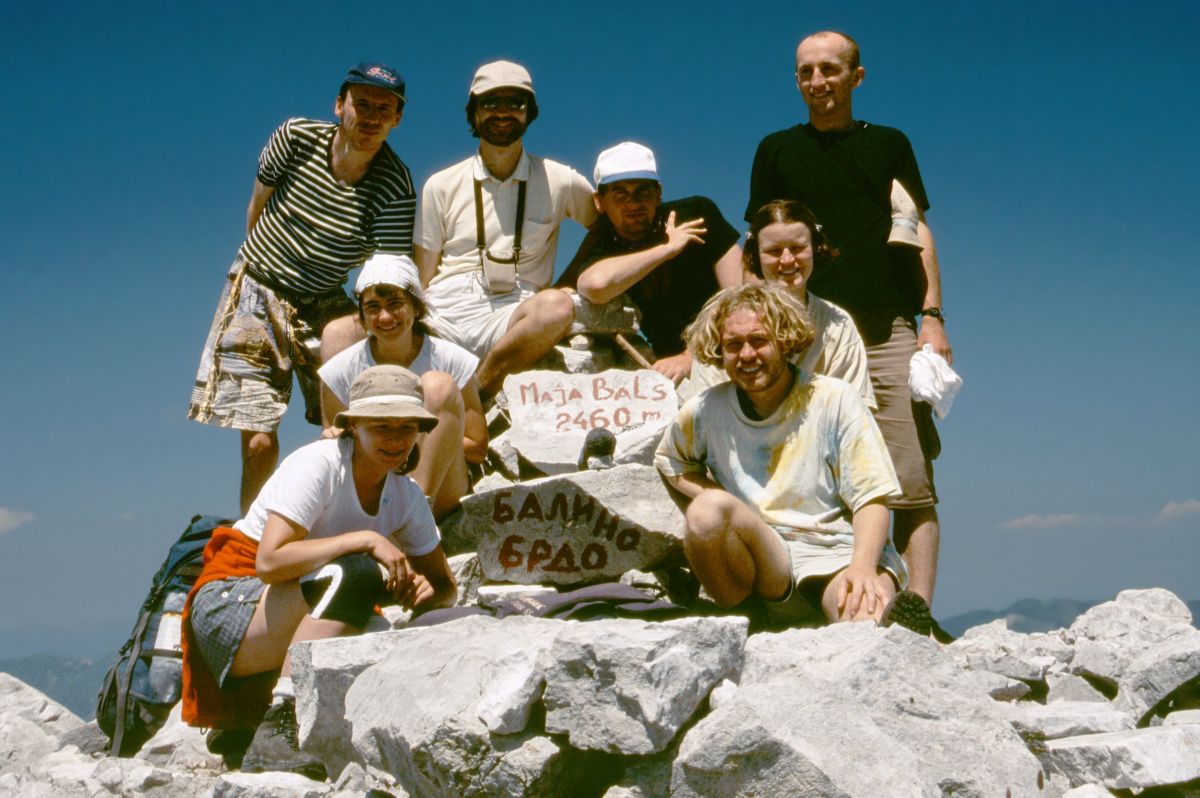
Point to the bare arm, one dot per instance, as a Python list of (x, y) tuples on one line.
[(427, 263), (330, 407), (258, 201), (475, 432), (606, 279), (433, 585), (729, 268), (863, 580), (932, 330), (692, 483), (285, 553)]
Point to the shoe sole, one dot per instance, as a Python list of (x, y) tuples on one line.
[(909, 610)]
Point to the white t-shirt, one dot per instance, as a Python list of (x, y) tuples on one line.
[(809, 466), (436, 355), (446, 216), (314, 487), (837, 351)]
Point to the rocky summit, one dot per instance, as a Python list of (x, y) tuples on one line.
[(696, 706)]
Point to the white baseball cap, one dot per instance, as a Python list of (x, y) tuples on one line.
[(626, 161), (386, 269), (501, 75)]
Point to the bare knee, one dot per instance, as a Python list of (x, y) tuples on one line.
[(554, 308), (709, 517), (339, 334), (259, 446), (442, 394)]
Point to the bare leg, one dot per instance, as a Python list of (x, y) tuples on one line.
[(339, 334), (442, 470), (280, 619), (260, 450), (732, 552), (917, 535), (536, 326)]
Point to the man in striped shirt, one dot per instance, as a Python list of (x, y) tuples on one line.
[(326, 196)]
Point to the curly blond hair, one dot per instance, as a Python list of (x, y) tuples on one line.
[(783, 316)]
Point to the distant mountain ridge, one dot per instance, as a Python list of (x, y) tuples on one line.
[(72, 682), (1034, 615)]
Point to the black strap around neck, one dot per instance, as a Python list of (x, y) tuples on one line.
[(480, 240)]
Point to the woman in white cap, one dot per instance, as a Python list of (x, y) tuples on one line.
[(335, 531), (391, 307)]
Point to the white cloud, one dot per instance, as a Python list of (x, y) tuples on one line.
[(1173, 511), (11, 519), (1044, 521)]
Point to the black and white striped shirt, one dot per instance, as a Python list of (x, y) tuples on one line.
[(314, 230)]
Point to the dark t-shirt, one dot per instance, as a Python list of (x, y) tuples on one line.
[(846, 177), (672, 294)]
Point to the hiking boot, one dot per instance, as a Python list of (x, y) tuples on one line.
[(229, 744), (276, 746), (909, 610)]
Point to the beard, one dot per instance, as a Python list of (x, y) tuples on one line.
[(501, 137)]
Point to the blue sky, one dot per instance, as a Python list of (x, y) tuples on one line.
[(1056, 142)]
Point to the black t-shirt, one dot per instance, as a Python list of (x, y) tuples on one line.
[(845, 177), (672, 294)]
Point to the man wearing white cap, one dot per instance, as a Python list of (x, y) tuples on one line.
[(668, 257), (487, 232), (392, 310)]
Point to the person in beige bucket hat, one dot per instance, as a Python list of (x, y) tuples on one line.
[(337, 530)]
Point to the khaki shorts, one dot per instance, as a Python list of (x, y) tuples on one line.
[(907, 426), (463, 311), (257, 340), (816, 558)]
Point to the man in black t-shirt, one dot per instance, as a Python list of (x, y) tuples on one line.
[(843, 169), (668, 257)]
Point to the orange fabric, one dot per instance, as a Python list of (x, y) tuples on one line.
[(241, 704)]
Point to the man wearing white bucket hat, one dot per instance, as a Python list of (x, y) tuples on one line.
[(392, 310), (487, 232)]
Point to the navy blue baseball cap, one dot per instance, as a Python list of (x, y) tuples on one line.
[(381, 75)]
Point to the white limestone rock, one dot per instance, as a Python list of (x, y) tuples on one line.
[(416, 713), (490, 594), (1088, 791), (620, 315), (586, 526), (18, 698), (1067, 719), (553, 412), (468, 574), (1069, 687), (125, 777), (1190, 716), (809, 696), (269, 785), (1001, 688), (1109, 636), (323, 671), (22, 742), (1129, 759), (177, 746), (628, 686), (1160, 670), (993, 647)]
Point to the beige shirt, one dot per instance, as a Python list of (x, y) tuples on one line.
[(837, 351), (446, 217)]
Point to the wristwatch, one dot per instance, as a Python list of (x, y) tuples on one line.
[(936, 313)]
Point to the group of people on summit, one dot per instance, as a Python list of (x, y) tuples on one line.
[(802, 448)]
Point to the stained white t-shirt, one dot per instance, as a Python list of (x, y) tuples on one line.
[(314, 487), (436, 355), (809, 466)]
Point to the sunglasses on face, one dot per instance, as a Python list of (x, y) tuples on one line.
[(508, 103)]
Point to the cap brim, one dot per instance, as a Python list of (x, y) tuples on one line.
[(644, 175), (425, 420)]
